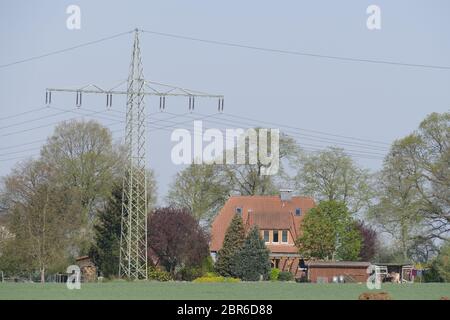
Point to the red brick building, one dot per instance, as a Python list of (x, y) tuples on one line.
[(342, 271), (279, 219)]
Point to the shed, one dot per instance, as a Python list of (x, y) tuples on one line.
[(87, 268), (405, 271), (337, 271)]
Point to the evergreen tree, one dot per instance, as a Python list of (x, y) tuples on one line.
[(105, 252), (252, 261), (234, 238)]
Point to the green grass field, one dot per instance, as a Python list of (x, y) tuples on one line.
[(232, 291)]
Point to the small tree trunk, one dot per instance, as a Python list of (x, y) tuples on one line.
[(42, 275)]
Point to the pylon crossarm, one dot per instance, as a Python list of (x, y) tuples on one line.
[(147, 93)]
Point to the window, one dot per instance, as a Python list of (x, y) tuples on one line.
[(238, 210), (266, 236), (284, 236), (275, 236), (298, 212)]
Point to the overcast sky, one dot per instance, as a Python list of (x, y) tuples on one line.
[(363, 100)]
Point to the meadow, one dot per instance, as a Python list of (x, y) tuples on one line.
[(216, 291)]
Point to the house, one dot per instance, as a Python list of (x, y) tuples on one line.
[(279, 219)]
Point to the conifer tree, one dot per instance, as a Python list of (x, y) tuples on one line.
[(234, 238), (252, 261), (105, 252)]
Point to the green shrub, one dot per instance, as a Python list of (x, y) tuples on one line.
[(285, 276), (158, 275), (213, 279), (442, 262), (211, 274), (189, 273), (432, 274), (208, 264), (274, 273)]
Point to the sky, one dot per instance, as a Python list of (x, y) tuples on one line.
[(369, 101)]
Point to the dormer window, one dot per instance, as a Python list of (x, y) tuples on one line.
[(239, 210), (298, 212)]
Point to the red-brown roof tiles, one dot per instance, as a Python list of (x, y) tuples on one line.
[(267, 212)]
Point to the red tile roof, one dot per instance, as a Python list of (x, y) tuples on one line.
[(267, 212)]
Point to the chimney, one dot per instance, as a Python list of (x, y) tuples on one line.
[(286, 194)]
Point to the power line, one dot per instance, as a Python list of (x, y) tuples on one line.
[(304, 146), (362, 148), (302, 136), (32, 120), (235, 45), (23, 144), (22, 113), (309, 130), (297, 53), (45, 125), (20, 151), (120, 119), (64, 50), (94, 114)]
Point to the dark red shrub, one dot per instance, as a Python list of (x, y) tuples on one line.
[(176, 239)]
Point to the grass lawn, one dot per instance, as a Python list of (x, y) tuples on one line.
[(216, 291)]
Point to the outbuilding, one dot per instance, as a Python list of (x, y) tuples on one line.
[(87, 268), (337, 271)]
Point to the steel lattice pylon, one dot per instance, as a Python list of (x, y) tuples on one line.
[(133, 238)]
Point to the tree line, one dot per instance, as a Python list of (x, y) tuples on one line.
[(67, 202)]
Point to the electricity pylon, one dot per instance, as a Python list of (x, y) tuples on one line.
[(133, 239)]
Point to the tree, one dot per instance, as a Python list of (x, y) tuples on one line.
[(369, 243), (50, 204), (423, 250), (331, 175), (200, 188), (441, 264), (5, 234), (82, 156), (232, 243), (427, 152), (42, 217), (329, 232), (252, 260), (247, 179), (105, 251), (176, 240), (396, 210)]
